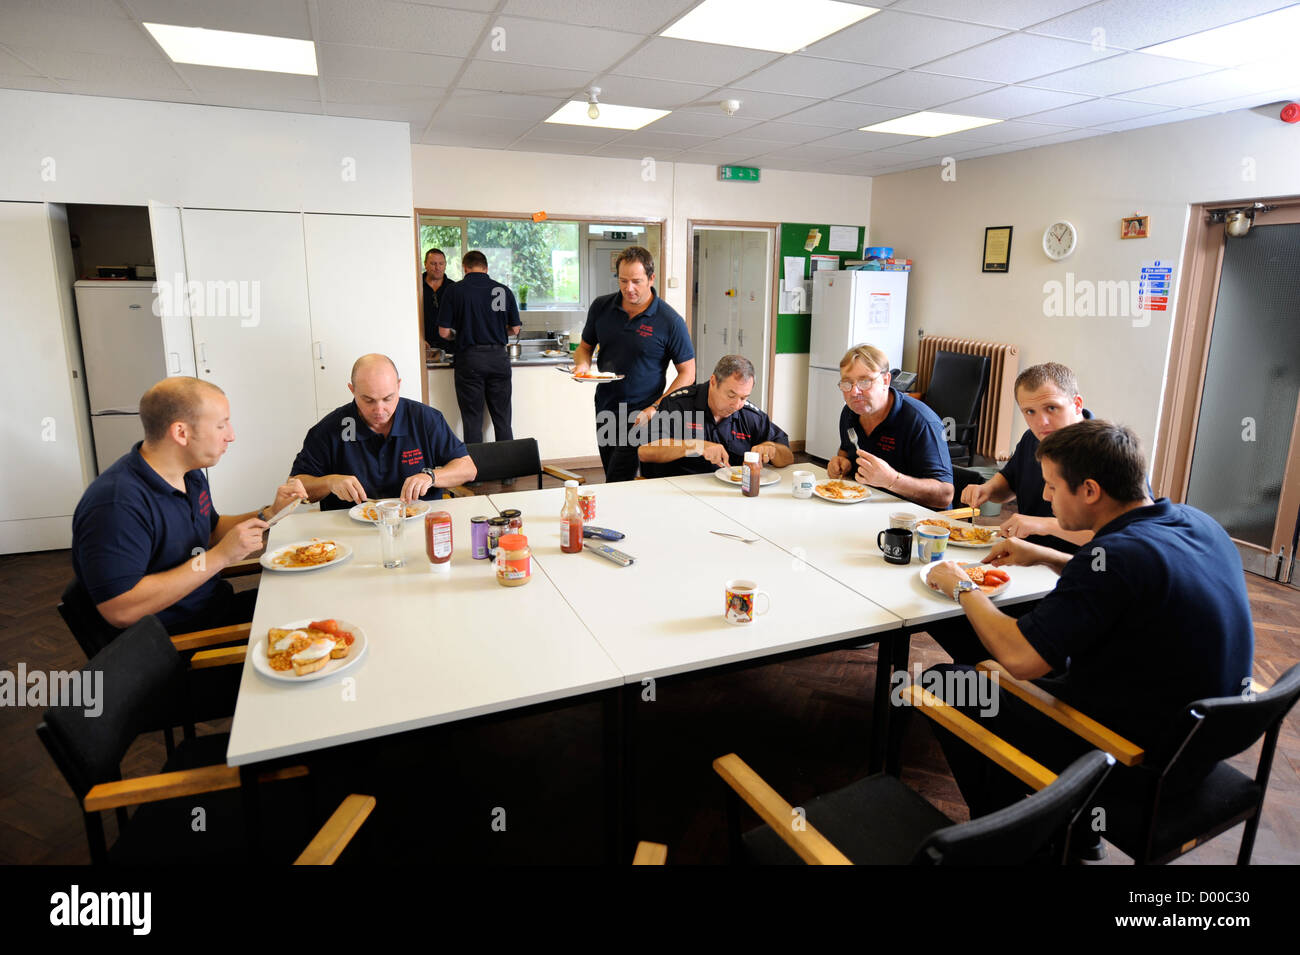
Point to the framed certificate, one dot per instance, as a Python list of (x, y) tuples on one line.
[(997, 248)]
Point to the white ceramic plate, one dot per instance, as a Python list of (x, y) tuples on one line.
[(596, 377), (866, 493), (988, 592), (334, 667), (419, 509), (971, 544), (768, 476), (268, 559)]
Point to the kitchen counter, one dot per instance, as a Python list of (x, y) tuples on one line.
[(515, 363)]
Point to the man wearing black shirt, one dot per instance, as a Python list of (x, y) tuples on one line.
[(433, 285)]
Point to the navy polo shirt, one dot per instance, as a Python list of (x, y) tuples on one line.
[(480, 309), (1024, 473), (131, 523), (685, 414), (1148, 616), (433, 306), (640, 349), (910, 439), (342, 443)]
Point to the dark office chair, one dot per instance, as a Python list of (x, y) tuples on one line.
[(956, 388), (1155, 816), (507, 460), (880, 821)]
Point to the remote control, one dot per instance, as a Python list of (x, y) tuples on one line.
[(604, 533), (609, 553)]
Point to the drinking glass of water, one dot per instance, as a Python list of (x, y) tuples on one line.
[(392, 518)]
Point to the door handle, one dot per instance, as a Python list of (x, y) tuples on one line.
[(203, 357), (320, 350), (173, 363), (724, 336), (740, 338)]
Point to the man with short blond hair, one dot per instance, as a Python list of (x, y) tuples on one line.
[(888, 439)]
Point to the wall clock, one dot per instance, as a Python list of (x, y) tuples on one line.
[(1060, 240)]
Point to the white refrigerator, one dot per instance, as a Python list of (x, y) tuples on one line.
[(122, 343), (848, 308)]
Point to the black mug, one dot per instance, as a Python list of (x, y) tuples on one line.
[(897, 545)]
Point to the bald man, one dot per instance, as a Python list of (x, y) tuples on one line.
[(380, 445), (146, 537)]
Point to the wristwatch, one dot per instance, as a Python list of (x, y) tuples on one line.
[(963, 586), (432, 476)]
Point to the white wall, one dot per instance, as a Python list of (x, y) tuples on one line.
[(1157, 171), (63, 148), (485, 180)]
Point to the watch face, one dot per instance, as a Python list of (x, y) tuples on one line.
[(1059, 240)]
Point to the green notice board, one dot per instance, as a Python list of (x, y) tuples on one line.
[(793, 330)]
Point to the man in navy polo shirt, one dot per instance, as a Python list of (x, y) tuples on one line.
[(380, 445), (146, 537), (638, 334), (482, 313), (434, 284), (1149, 616), (703, 427), (895, 442), (1048, 395)]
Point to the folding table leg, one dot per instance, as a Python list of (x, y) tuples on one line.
[(900, 652), (612, 708), (880, 704), (631, 697)]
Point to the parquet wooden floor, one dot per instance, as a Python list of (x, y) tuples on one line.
[(802, 724)]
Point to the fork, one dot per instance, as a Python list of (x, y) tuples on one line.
[(737, 537)]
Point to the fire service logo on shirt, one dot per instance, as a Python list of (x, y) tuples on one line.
[(413, 458), (205, 503), (645, 331), (887, 443)]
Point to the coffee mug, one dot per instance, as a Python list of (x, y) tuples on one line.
[(931, 542), (903, 519), (801, 484), (897, 545), (740, 601)]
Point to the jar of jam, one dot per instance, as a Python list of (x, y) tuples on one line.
[(497, 526), (514, 520), (514, 561), (478, 537)]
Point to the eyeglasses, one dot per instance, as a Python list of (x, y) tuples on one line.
[(862, 386)]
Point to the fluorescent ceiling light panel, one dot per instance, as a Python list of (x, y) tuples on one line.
[(780, 26), (927, 123), (235, 51), (1266, 37), (574, 113)]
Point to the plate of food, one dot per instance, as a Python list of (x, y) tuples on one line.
[(596, 376), (306, 555), (307, 650), (842, 492), (735, 475), (961, 534), (991, 580), (368, 513)]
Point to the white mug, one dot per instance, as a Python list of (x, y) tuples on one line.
[(801, 484), (742, 595)]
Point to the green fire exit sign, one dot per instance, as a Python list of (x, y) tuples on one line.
[(738, 173)]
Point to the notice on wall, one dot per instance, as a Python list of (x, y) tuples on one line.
[(793, 272), (844, 238), (796, 298), (1153, 287), (879, 310), (820, 262)]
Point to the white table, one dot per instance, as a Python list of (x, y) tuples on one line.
[(443, 647)]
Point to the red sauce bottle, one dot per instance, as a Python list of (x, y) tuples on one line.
[(571, 520), (437, 537), (751, 474)]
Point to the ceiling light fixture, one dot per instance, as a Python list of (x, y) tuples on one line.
[(607, 115), (1266, 37), (774, 25), (926, 123), (235, 51), (593, 107)]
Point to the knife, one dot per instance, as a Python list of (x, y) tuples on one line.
[(283, 512)]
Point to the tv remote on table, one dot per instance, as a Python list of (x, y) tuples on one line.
[(604, 533), (609, 553)]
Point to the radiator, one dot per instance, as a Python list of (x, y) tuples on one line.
[(998, 407)]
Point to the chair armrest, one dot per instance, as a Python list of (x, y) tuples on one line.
[(562, 474), (811, 845), (226, 656), (650, 853), (186, 782), (243, 568), (459, 490), (1082, 725), (1027, 770), (208, 638), (338, 831)]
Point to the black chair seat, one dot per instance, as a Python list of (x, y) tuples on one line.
[(850, 818)]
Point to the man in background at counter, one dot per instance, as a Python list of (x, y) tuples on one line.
[(434, 284), (703, 427), (482, 313), (146, 536), (380, 445), (887, 439), (638, 334)]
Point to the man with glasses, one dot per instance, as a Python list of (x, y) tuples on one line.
[(888, 440)]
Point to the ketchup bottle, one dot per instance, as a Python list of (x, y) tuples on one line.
[(571, 520), (437, 539), (751, 474)]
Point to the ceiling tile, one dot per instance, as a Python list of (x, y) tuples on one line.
[(616, 151), (901, 40), (483, 130), (1062, 138), (1017, 57), (763, 105), (212, 79), (272, 17), (92, 67), (654, 94), (1159, 119), (844, 115), (479, 6), (415, 115), (1132, 24), (649, 136), (744, 145), (914, 90), (702, 121), (577, 134), (1118, 74), (504, 105), (808, 76), (555, 44), (667, 59), (633, 16), (399, 26), (514, 78), (934, 146), (810, 152), (1011, 131), (1095, 112), (385, 66), (1196, 90), (567, 148), (787, 132), (1012, 101), (11, 65), (1009, 14), (38, 84), (344, 90), (1251, 100), (92, 27), (856, 139), (483, 139)]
